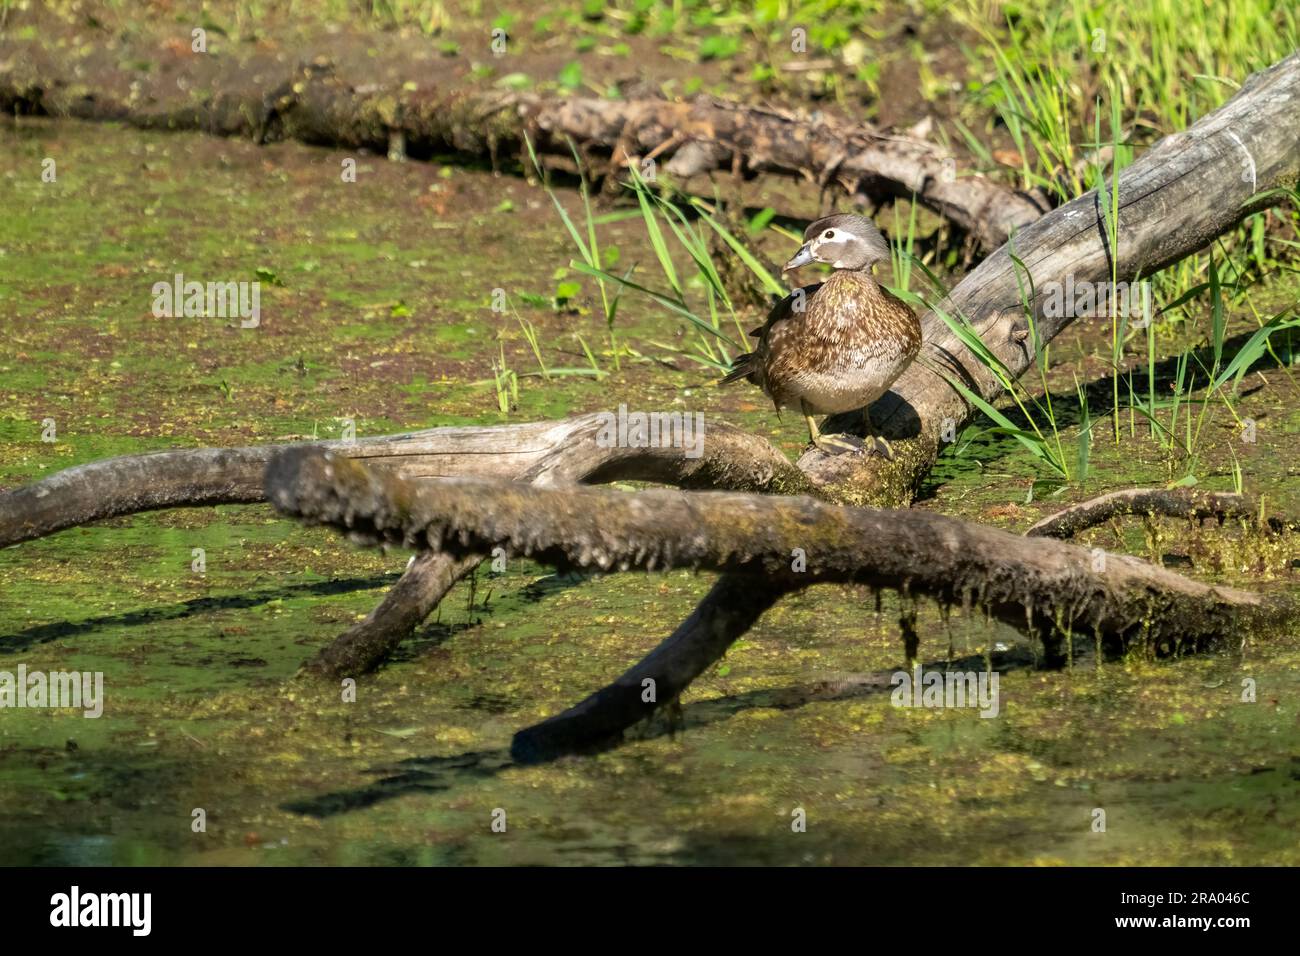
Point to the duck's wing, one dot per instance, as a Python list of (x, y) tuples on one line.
[(777, 328), (785, 309)]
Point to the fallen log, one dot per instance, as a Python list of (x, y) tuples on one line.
[(314, 104), (1187, 189), (734, 459), (554, 451), (1190, 503), (1049, 590), (540, 452), (1164, 216)]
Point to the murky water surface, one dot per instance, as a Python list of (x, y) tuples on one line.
[(375, 309)]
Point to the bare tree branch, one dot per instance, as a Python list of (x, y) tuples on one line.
[(314, 104), (1045, 588), (372, 640), (565, 450), (729, 610), (730, 459), (1166, 502), (541, 452)]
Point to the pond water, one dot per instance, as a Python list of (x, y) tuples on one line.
[(375, 311)]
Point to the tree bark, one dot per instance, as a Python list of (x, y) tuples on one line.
[(542, 453), (1190, 503), (1022, 581), (734, 459), (545, 452), (314, 104), (1179, 195), (371, 641), (1047, 589)]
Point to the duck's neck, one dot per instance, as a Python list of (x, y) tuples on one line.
[(862, 278)]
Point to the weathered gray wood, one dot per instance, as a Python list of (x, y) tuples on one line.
[(1045, 588), (129, 484), (314, 104), (1179, 195), (1191, 503), (708, 134), (565, 450), (544, 453)]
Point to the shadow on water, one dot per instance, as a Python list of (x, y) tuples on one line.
[(43, 633), (434, 633), (429, 775)]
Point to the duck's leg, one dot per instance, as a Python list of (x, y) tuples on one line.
[(831, 444), (879, 445)]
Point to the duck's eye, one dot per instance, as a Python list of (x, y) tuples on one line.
[(829, 234)]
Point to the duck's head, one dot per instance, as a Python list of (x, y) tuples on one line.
[(842, 242)]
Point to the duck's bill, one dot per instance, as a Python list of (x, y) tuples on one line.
[(800, 258)]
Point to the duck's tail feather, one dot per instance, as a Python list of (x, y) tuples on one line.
[(741, 367)]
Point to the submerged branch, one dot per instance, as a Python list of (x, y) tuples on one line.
[(1047, 589), (729, 610)]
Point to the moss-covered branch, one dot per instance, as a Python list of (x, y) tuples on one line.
[(1051, 590), (314, 103), (1191, 503)]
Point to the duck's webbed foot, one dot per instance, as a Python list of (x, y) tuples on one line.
[(843, 442), (875, 441), (880, 446), (839, 444)]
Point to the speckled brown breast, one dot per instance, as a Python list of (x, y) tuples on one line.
[(845, 349)]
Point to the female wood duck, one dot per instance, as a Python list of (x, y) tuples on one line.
[(837, 345)]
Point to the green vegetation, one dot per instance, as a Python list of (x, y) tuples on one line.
[(379, 307)]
